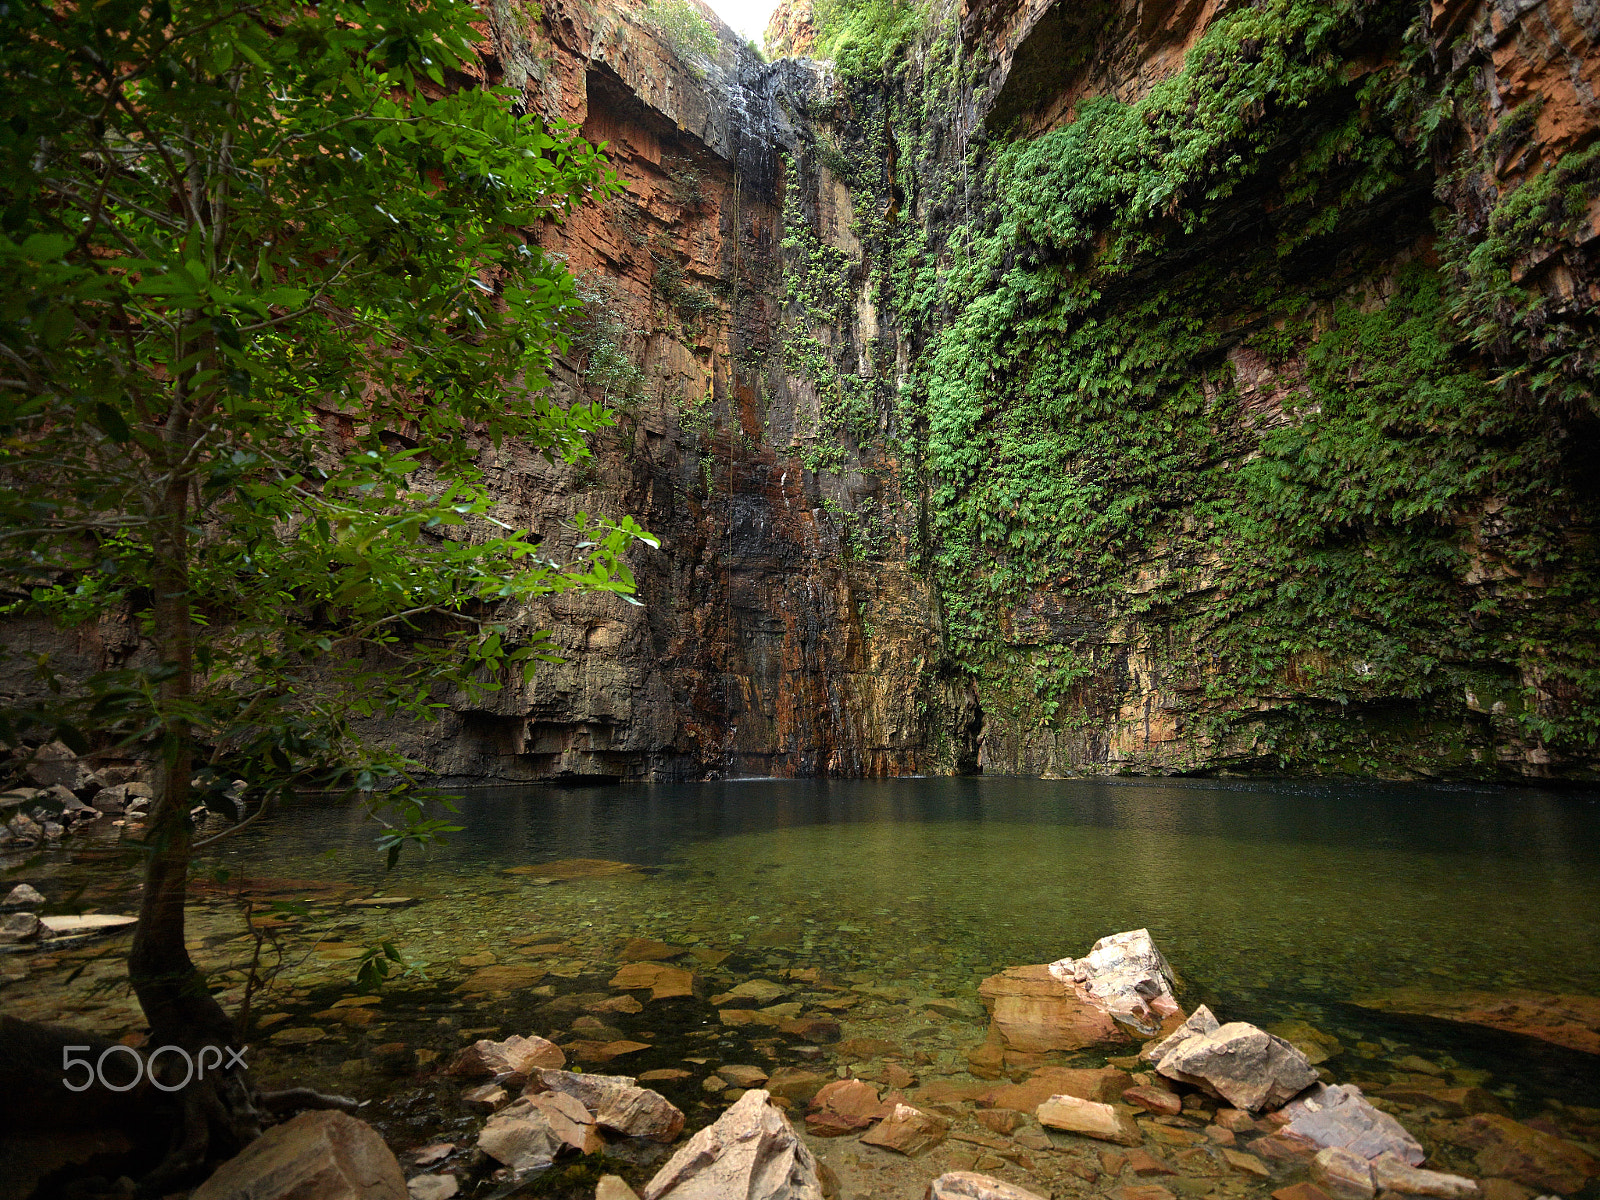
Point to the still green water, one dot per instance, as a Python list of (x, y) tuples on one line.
[(1315, 889), (882, 905)]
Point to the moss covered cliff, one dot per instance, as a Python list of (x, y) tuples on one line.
[(1242, 360)]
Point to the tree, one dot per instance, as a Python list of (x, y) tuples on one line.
[(265, 294)]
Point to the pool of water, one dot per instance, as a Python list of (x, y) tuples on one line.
[(1316, 889), (1287, 900)]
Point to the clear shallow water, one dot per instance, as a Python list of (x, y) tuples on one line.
[(1311, 888), (1282, 901)]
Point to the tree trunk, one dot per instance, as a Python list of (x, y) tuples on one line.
[(219, 1115)]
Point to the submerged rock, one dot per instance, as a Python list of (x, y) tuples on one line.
[(324, 1155), (1126, 976), (1246, 1066), (750, 1151), (1339, 1116), (1104, 1084), (842, 1107), (969, 1185), (1525, 1154), (908, 1130)]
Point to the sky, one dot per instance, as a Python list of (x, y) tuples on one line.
[(749, 17)]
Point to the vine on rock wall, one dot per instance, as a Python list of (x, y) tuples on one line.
[(1228, 407)]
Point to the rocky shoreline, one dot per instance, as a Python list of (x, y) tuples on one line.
[(799, 1083)]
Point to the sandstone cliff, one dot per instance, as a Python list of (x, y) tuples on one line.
[(1141, 386)]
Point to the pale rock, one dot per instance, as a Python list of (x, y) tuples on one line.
[(325, 1155), (517, 1055), (1393, 1174), (969, 1185), (23, 896), (432, 1187), (569, 1119), (1339, 1115), (617, 1103), (751, 1151), (1033, 1012), (1126, 976), (521, 1137), (86, 922), (614, 1187), (1246, 1066), (910, 1131), (1088, 1118), (1343, 1174), (19, 927), (23, 828)]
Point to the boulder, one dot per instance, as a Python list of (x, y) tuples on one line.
[(616, 1102), (842, 1107), (1032, 1011), (750, 1151), (1339, 1115), (1343, 1174), (1530, 1156), (113, 799), (1126, 976), (19, 927), (1393, 1174), (969, 1185), (516, 1055), (54, 765), (326, 1155), (22, 896), (1104, 1084), (908, 1130), (1246, 1066), (1089, 1118)]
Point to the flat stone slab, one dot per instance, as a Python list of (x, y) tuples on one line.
[(86, 923)]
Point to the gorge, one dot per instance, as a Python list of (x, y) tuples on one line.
[(1151, 388)]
